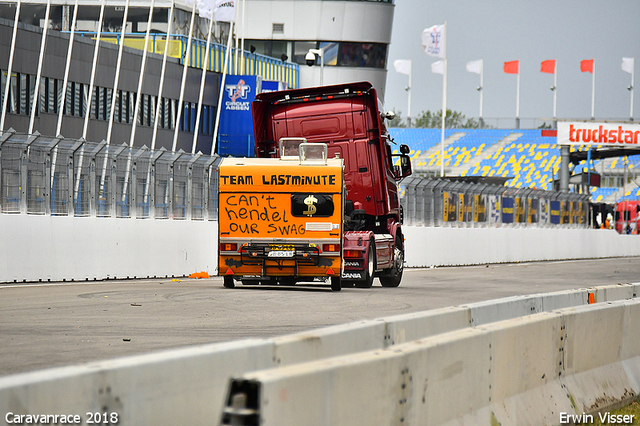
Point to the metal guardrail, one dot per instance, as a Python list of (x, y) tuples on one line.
[(441, 202), (68, 177), (254, 64)]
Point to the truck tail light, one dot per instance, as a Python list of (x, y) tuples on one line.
[(228, 246), (331, 247), (354, 254)]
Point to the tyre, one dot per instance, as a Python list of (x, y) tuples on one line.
[(228, 281), (336, 283), (391, 277), (371, 267)]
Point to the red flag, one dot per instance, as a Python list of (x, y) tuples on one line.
[(511, 67), (549, 66), (587, 65)]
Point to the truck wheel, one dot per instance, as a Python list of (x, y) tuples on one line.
[(336, 283), (228, 281), (391, 277), (371, 268)]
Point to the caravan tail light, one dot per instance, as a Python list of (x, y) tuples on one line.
[(228, 247)]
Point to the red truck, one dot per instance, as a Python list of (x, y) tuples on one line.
[(347, 118), (627, 218)]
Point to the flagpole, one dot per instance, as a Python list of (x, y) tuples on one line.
[(202, 82), (593, 91), (631, 90), (187, 60), (161, 84), (481, 91), (555, 91), (409, 97), (10, 67), (214, 144), (66, 72), (36, 92), (444, 102), (242, 40), (94, 67), (116, 81), (518, 97)]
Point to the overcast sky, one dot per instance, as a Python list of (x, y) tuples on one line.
[(531, 31)]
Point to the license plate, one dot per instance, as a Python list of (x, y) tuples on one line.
[(281, 253)]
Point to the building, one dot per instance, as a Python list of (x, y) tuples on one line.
[(354, 36), (350, 38)]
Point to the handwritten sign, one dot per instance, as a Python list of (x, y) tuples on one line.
[(266, 215)]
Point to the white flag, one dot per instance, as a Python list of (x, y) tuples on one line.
[(475, 66), (225, 10), (437, 67), (402, 66), (627, 65), (433, 41), (189, 2), (205, 8)]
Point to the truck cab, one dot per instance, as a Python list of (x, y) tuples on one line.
[(347, 118)]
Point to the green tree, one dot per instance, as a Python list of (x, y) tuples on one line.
[(453, 120)]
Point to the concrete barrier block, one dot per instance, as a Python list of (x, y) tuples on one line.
[(442, 369), (593, 336), (329, 342), (631, 331), (419, 325), (563, 299), (539, 406), (350, 390), (636, 289), (169, 387), (525, 348), (599, 389), (504, 309), (632, 368), (610, 293)]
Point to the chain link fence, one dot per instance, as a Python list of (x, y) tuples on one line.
[(67, 177), (456, 203)]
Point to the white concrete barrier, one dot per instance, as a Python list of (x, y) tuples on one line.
[(189, 384), (45, 248), (531, 370), (444, 246)]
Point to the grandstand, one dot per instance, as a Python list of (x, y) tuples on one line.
[(530, 159)]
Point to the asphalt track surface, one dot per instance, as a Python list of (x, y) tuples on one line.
[(56, 324)]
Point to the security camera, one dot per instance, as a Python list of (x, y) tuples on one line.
[(310, 57)]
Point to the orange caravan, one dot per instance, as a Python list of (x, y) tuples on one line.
[(281, 219)]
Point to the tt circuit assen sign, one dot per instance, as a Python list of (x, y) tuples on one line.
[(620, 135), (236, 122)]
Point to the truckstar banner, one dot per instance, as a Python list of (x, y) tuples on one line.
[(602, 134)]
